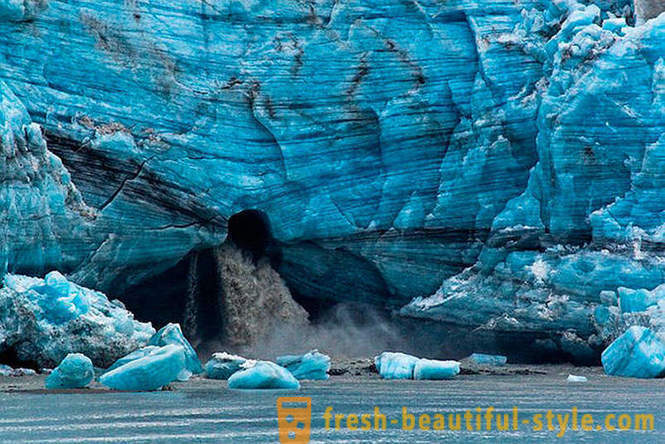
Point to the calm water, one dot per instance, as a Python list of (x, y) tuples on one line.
[(206, 411)]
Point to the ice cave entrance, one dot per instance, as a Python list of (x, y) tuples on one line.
[(249, 230)]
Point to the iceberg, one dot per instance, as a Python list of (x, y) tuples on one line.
[(575, 378), (136, 354), (75, 371), (484, 359), (638, 353), (435, 370), (393, 365), (312, 365), (43, 320), (223, 365), (160, 367), (172, 334), (263, 375)]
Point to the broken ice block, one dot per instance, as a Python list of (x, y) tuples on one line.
[(575, 378), (632, 301), (223, 365), (172, 334), (395, 365), (151, 372), (136, 354), (483, 359), (637, 353), (263, 375), (312, 365), (75, 371), (434, 370)]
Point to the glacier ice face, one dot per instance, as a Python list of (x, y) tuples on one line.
[(172, 334), (75, 371), (435, 370), (312, 365), (638, 353), (43, 320), (263, 375), (510, 150), (158, 368), (223, 365), (485, 359)]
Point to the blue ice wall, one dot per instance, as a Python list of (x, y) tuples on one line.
[(504, 152)]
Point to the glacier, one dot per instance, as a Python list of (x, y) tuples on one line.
[(422, 156)]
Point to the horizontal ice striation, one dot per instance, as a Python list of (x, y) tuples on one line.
[(510, 149)]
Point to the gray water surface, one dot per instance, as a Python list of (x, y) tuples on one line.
[(206, 411)]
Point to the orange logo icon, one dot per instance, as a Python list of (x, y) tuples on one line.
[(294, 415)]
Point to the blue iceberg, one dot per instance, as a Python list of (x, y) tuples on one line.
[(484, 359), (172, 334), (391, 365), (151, 372), (223, 365), (75, 371), (638, 353), (263, 375), (435, 370), (43, 320), (312, 365), (133, 356)]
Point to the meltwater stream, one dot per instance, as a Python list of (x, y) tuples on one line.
[(206, 411)]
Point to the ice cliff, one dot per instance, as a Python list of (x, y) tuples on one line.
[(483, 163)]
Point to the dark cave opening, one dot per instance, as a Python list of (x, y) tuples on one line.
[(249, 230)]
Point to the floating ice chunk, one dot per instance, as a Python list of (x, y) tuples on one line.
[(223, 365), (160, 367), (263, 375), (75, 371), (393, 365), (43, 320), (575, 378), (637, 353), (172, 334), (434, 370), (312, 365), (136, 354), (483, 359), (6, 370)]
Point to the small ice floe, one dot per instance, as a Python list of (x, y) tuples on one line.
[(402, 366), (263, 375), (484, 359), (637, 353), (575, 378), (159, 367), (223, 365), (312, 365), (172, 334), (6, 370), (434, 370), (75, 371)]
